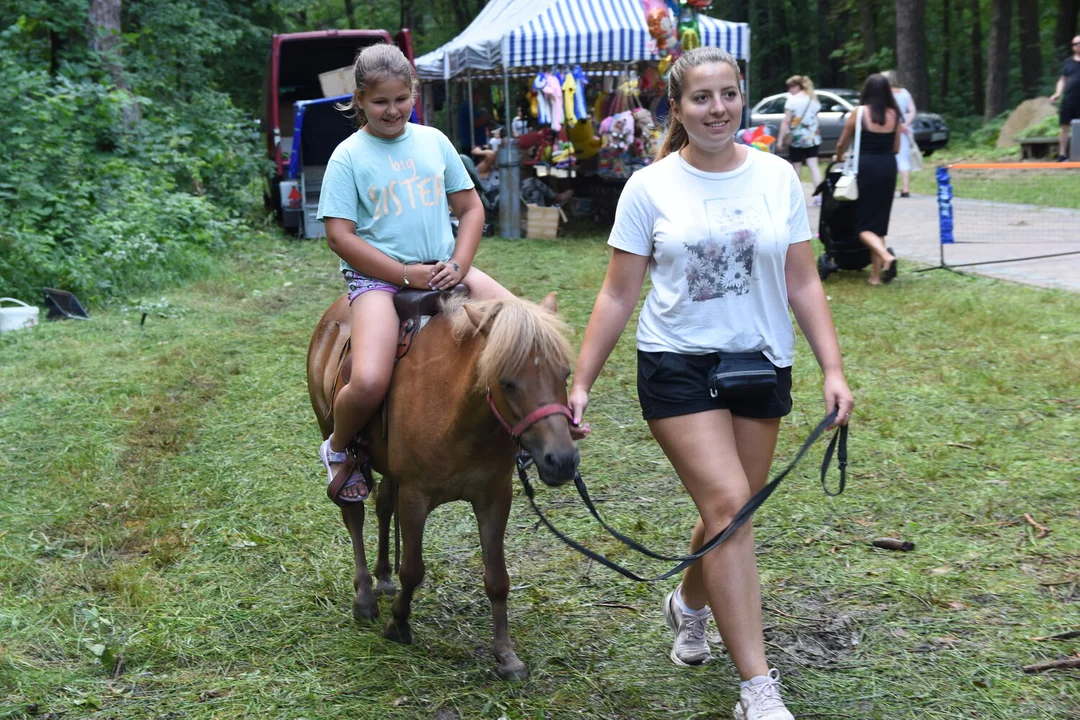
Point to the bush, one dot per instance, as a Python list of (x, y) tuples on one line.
[(102, 211)]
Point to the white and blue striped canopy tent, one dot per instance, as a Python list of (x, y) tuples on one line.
[(522, 36), (511, 34)]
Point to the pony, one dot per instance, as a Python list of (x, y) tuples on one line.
[(481, 381)]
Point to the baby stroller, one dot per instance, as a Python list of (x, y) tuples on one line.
[(836, 228)]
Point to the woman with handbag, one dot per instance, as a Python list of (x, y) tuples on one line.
[(878, 121), (721, 229), (800, 124)]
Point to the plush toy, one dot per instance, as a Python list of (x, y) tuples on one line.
[(620, 134), (583, 136), (564, 156), (647, 132)]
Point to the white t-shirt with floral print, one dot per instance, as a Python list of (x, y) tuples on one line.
[(717, 244), (805, 132)]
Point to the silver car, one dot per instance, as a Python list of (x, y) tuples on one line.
[(931, 131)]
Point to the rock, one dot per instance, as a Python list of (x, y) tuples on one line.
[(1028, 113)]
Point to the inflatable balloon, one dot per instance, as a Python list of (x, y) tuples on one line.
[(662, 28)]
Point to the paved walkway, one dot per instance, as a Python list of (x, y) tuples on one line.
[(995, 231)]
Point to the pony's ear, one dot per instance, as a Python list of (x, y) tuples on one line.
[(550, 302), (481, 321)]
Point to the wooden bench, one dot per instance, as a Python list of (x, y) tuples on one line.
[(1033, 148)]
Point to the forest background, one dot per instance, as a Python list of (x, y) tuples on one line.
[(129, 133)]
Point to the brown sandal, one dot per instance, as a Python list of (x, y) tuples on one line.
[(355, 470)]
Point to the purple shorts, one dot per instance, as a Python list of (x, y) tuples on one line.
[(358, 284)]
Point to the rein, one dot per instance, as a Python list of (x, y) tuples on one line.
[(838, 444)]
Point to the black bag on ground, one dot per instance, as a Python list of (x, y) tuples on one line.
[(740, 375)]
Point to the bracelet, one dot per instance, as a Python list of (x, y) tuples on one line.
[(405, 273)]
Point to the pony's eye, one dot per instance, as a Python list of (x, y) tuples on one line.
[(508, 384)]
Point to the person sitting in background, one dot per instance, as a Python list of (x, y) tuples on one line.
[(534, 191)]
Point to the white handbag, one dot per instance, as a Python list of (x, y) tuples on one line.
[(916, 156), (847, 187)]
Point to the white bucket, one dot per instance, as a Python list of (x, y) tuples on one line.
[(17, 318)]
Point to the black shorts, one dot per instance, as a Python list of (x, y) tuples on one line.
[(798, 154), (1070, 108), (670, 384)]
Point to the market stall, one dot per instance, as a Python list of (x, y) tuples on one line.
[(614, 52)]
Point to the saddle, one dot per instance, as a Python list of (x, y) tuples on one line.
[(414, 309)]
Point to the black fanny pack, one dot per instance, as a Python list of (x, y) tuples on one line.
[(740, 375)]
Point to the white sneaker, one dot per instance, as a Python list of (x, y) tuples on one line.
[(762, 702), (690, 647)]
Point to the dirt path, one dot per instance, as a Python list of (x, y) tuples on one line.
[(1024, 231)]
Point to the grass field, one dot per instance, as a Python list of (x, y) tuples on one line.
[(166, 549), (1050, 188)]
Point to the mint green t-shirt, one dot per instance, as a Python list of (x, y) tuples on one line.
[(395, 191)]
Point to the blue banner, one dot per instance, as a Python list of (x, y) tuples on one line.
[(944, 203)]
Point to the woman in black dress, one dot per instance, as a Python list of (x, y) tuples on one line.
[(877, 171)]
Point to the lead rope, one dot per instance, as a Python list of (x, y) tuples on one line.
[(837, 444)]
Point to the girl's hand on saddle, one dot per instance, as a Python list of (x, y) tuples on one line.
[(579, 400), (446, 275), (837, 395)]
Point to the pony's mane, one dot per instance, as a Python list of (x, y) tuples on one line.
[(520, 331)]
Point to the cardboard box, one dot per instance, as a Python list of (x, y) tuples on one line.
[(337, 82), (542, 222)]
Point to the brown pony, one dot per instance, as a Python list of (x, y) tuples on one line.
[(474, 369)]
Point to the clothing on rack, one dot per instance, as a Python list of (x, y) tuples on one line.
[(569, 86), (581, 109), (543, 102)]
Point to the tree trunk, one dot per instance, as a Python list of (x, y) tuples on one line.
[(1066, 25), (911, 49), (104, 33), (824, 76), (867, 23), (1030, 53), (461, 13), (997, 62), (350, 13), (978, 94), (946, 49)]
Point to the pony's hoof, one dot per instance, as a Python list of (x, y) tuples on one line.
[(385, 588), (398, 635), (515, 671), (362, 611)]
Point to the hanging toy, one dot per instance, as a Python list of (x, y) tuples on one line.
[(689, 30), (661, 25)]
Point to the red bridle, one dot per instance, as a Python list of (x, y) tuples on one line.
[(531, 419)]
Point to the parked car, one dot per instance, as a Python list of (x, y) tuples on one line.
[(930, 129), (293, 87)]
